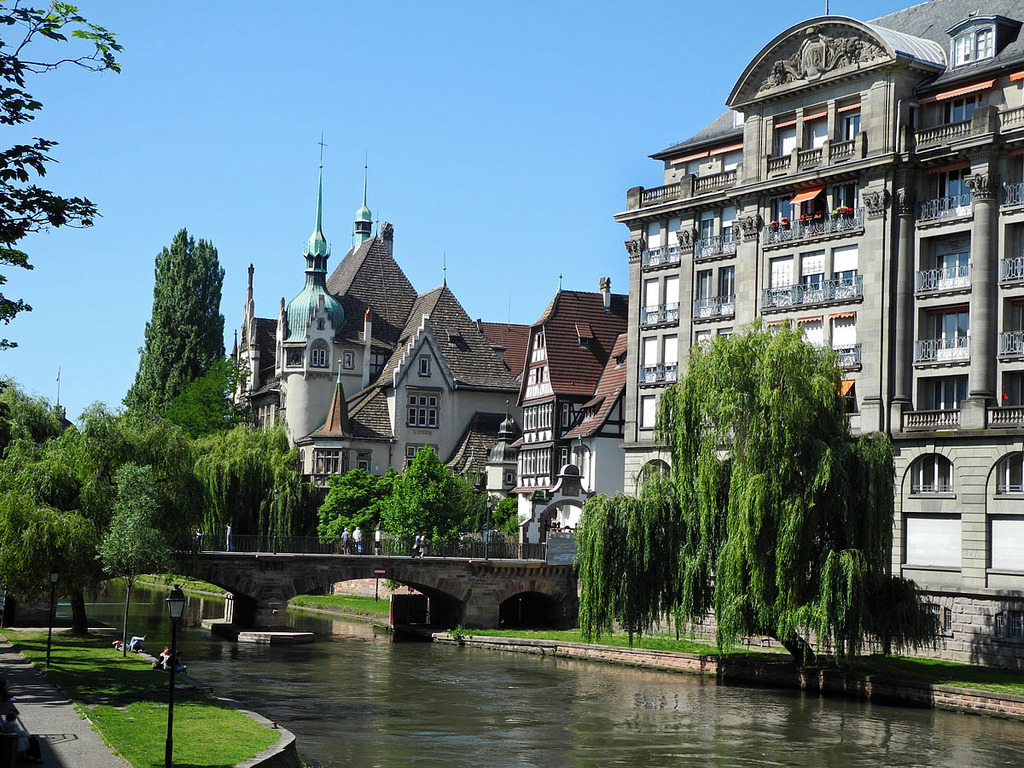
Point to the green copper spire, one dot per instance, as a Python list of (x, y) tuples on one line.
[(364, 219), (317, 244)]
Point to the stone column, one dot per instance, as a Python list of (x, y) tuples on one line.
[(984, 301), (903, 331)]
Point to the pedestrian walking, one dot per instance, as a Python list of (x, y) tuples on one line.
[(227, 540), (377, 534), (357, 538), (346, 537), (415, 545)]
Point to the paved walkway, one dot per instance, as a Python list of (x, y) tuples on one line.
[(67, 739)]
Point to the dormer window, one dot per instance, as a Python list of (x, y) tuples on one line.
[(974, 45)]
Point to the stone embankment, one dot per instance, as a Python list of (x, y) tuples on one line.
[(768, 672)]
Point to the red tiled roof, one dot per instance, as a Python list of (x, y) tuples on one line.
[(574, 369), (610, 390), (513, 338)]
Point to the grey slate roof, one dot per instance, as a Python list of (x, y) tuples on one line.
[(467, 352), (368, 415), (721, 128), (369, 276), (470, 455)]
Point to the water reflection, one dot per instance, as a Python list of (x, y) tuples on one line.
[(355, 698)]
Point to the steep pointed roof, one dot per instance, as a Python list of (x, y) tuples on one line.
[(513, 338), (610, 389), (370, 278), (467, 352), (575, 367), (369, 418), (474, 447), (337, 422)]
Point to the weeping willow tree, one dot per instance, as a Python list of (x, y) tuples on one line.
[(251, 481), (773, 518)]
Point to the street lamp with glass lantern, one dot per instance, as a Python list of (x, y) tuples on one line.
[(49, 634), (274, 512), (175, 605)]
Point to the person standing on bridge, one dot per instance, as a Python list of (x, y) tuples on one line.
[(377, 534), (357, 537), (345, 537)]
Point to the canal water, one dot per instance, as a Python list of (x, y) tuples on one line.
[(356, 697)]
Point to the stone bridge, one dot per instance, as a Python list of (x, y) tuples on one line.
[(473, 593)]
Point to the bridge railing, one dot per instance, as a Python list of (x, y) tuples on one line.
[(472, 546)]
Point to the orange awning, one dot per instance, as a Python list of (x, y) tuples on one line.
[(1017, 76), (816, 115), (807, 194), (1015, 152), (688, 158), (982, 86), (947, 167), (815, 319), (848, 108), (770, 323), (729, 148), (842, 315), (845, 387), (786, 124)]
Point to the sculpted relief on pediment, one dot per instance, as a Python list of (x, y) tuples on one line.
[(819, 54)]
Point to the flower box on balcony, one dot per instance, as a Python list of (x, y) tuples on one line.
[(842, 211)]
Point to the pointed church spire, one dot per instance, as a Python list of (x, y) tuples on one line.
[(336, 423), (364, 219)]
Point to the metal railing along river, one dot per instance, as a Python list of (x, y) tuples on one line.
[(498, 547)]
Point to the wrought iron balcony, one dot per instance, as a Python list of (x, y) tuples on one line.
[(944, 279), (661, 373), (660, 257), (660, 313), (945, 207), (795, 295), (715, 306), (1011, 343), (951, 349), (1012, 269), (1013, 194), (715, 245), (849, 356), (826, 225)]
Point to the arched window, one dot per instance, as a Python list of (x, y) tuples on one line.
[(656, 468), (931, 473), (318, 354), (1010, 474)]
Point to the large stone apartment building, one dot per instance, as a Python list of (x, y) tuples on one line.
[(866, 183)]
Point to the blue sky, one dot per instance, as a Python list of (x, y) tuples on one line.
[(501, 139)]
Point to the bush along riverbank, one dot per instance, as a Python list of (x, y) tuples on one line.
[(126, 699), (892, 680)]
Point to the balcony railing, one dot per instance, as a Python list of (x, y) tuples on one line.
[(780, 163), (940, 134), (1011, 416), (931, 419), (660, 313), (945, 207), (1011, 118), (713, 246), (660, 194), (660, 257), (952, 349), (826, 225), (849, 357), (807, 157), (715, 306), (944, 278), (662, 373), (1012, 269), (795, 295), (714, 181), (1013, 194), (841, 149), (1011, 343)]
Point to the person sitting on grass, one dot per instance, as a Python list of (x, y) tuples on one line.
[(135, 644), (28, 745)]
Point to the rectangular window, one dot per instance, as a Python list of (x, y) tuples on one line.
[(817, 132), (651, 293), (844, 331), (363, 461), (948, 392), (957, 110), (782, 272), (933, 540), (1007, 542), (707, 225), (1010, 624), (704, 278), (567, 415), (293, 358), (702, 337), (654, 235), (844, 264), (984, 44), (812, 269), (348, 361), (785, 140), (670, 350), (849, 125), (672, 292), (814, 332), (650, 350), (727, 281), (422, 411), (952, 324), (647, 411), (424, 366), (728, 224)]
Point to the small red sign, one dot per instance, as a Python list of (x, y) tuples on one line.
[(379, 571)]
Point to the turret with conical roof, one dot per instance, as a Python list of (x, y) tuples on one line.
[(364, 219), (301, 308)]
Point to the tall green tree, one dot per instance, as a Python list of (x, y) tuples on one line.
[(773, 517), (354, 499), (427, 498), (134, 544), (185, 335), (25, 207), (205, 405)]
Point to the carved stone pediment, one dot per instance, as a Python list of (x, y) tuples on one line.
[(686, 238), (983, 186), (875, 202), (636, 248), (806, 56), (749, 226)]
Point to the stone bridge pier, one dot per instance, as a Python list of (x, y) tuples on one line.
[(473, 593)]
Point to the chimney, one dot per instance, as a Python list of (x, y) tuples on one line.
[(606, 292), (367, 345), (387, 234)]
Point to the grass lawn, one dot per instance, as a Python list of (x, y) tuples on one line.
[(127, 700), (328, 602)]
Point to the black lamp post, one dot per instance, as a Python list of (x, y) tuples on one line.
[(175, 605), (49, 634), (274, 512)]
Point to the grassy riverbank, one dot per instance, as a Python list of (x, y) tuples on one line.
[(342, 602), (127, 700)]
